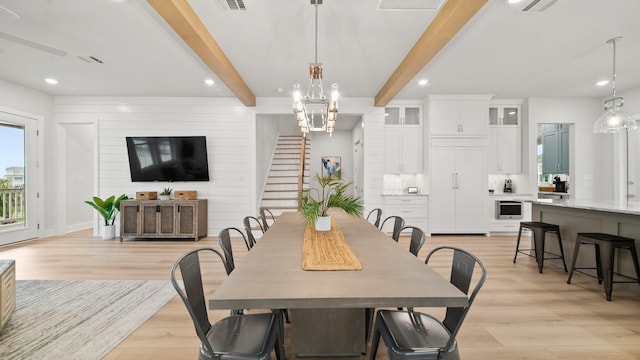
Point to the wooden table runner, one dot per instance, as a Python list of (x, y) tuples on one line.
[(327, 250)]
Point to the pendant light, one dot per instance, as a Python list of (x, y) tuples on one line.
[(614, 119)]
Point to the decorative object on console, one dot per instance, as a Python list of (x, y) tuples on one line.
[(185, 195), (146, 195), (166, 194), (614, 119), (315, 112), (332, 194)]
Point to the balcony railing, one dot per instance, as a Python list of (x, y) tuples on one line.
[(12, 208)]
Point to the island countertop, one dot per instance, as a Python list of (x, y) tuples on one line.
[(630, 207)]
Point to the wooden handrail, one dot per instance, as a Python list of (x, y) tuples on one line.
[(303, 149)]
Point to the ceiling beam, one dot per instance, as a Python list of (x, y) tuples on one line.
[(184, 21), (450, 19)]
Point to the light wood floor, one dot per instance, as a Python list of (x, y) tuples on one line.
[(519, 314)]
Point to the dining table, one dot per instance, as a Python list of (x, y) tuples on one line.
[(331, 310)]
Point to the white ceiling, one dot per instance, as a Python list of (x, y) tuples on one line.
[(558, 52)]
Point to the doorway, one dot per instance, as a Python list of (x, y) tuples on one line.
[(18, 168)]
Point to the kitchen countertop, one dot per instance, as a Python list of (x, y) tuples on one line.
[(553, 192), (405, 194), (631, 207), (508, 194)]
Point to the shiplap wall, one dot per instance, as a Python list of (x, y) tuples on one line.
[(228, 126)]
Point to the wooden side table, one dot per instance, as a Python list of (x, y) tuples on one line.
[(7, 290)]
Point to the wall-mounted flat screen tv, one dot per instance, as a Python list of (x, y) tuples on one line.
[(168, 158)]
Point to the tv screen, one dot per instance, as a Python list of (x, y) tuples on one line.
[(168, 158)]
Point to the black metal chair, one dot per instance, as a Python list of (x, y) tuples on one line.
[(417, 239), (224, 239), (237, 337), (250, 223), (398, 224), (414, 335), (266, 214), (375, 214)]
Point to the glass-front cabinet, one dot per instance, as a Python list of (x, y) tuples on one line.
[(504, 114)]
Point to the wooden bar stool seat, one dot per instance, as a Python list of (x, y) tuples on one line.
[(605, 246), (539, 231)]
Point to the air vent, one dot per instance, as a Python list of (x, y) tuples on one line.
[(537, 5), (410, 5), (232, 5), (90, 59)]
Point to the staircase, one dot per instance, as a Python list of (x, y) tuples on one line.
[(281, 188)]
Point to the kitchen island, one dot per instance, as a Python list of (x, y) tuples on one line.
[(574, 216)]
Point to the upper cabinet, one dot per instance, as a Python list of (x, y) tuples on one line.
[(402, 115), (504, 114), (504, 137), (403, 139), (555, 148), (458, 116)]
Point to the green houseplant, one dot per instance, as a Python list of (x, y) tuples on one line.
[(166, 194), (108, 209), (313, 204)]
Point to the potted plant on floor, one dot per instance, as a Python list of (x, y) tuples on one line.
[(313, 204), (108, 209), (166, 194)]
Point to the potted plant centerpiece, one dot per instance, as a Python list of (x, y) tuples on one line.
[(108, 209), (313, 204), (166, 194)]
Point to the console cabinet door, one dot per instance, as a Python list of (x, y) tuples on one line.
[(186, 217), (129, 219)]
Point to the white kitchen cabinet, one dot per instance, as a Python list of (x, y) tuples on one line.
[(508, 225), (458, 196), (504, 149), (413, 209), (451, 117), (403, 140), (504, 114)]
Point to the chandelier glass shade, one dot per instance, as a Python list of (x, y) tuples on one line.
[(614, 119), (314, 111)]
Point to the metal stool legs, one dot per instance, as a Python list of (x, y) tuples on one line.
[(539, 233)]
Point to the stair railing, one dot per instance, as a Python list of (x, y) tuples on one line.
[(301, 169)]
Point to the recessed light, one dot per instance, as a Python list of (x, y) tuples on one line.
[(280, 90), (51, 81), (423, 82), (602, 82), (514, 1), (209, 82)]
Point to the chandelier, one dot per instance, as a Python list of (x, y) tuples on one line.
[(614, 119), (315, 111)]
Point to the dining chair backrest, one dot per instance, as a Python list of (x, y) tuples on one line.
[(375, 215), (398, 224), (224, 239), (463, 265), (250, 223), (417, 239), (193, 294), (265, 215)]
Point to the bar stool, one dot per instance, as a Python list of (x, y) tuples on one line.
[(539, 230), (605, 246)]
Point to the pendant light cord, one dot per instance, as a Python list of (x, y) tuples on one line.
[(316, 49), (613, 83)]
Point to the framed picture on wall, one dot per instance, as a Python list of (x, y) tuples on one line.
[(331, 167)]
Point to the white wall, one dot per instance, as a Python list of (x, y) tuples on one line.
[(337, 145), (228, 126), (590, 154), (22, 99), (266, 138), (79, 174)]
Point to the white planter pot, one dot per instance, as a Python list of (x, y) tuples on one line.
[(323, 223), (108, 232), (165, 197)]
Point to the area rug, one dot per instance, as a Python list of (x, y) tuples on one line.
[(81, 320)]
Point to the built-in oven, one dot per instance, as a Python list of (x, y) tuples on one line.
[(508, 209)]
